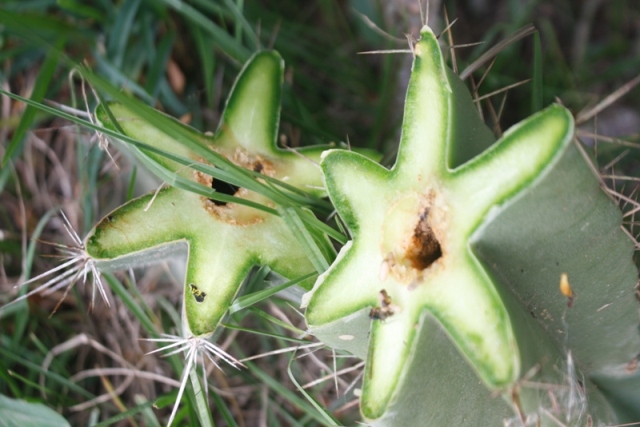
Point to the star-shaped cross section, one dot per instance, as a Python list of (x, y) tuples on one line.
[(412, 228), (224, 240)]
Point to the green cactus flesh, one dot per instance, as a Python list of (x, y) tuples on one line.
[(224, 239), (459, 248)]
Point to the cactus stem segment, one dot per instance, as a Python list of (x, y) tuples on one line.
[(224, 238), (412, 249)]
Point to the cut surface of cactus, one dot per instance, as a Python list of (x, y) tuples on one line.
[(461, 245), (224, 239)]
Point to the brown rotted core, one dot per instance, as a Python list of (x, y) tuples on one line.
[(424, 249)]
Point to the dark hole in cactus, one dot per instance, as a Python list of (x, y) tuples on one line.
[(197, 293), (229, 189), (224, 188), (386, 308), (425, 248)]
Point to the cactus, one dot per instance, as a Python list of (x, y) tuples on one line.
[(226, 231), (455, 264), (487, 282), (225, 238)]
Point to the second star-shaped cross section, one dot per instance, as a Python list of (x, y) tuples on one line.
[(412, 228)]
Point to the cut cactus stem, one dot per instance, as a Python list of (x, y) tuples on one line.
[(224, 240), (440, 266)]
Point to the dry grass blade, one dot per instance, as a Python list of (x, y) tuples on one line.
[(626, 425), (458, 46), (409, 40), (426, 13), (609, 139), (369, 23), (77, 341), (622, 177), (632, 212), (67, 109), (381, 52), (88, 373), (283, 350), (499, 116), (584, 116), (522, 32), (633, 239), (589, 162), (334, 375), (110, 395), (495, 116), (447, 29), (616, 160), (496, 92), (484, 76), (621, 197), (454, 61)]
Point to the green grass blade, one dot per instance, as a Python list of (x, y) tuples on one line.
[(148, 415), (142, 407), (64, 382), (226, 42), (224, 410), (207, 60), (201, 404), (328, 418), (287, 394), (257, 278), (81, 9), (117, 43), (119, 78), (299, 230), (276, 321), (22, 308), (159, 64), (8, 380), (264, 334), (132, 305), (241, 23), (45, 75), (308, 218), (132, 182), (248, 300)]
